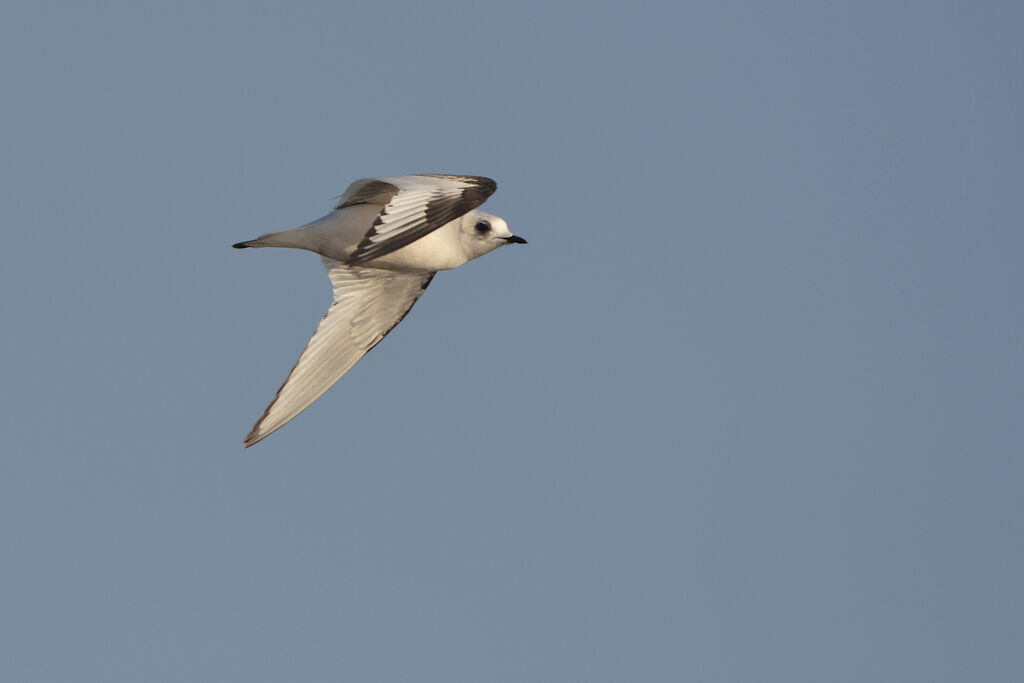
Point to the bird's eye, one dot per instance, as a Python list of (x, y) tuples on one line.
[(482, 227)]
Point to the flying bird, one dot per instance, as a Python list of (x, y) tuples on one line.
[(382, 243)]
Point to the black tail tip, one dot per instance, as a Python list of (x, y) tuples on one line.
[(240, 245)]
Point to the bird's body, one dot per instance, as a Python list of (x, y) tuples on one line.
[(381, 245)]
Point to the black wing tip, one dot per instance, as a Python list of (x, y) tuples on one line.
[(252, 438), (489, 189), (481, 184), (487, 185), (240, 245), (480, 191)]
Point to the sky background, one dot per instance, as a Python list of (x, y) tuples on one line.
[(748, 407)]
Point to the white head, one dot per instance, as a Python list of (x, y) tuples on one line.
[(481, 232)]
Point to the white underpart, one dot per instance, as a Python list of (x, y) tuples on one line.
[(439, 250)]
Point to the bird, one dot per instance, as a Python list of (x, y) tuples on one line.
[(382, 244)]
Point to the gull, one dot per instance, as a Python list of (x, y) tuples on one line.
[(382, 244)]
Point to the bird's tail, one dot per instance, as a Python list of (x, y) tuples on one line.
[(273, 239)]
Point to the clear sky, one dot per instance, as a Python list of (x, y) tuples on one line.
[(748, 407)]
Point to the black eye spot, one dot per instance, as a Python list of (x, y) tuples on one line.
[(482, 227)]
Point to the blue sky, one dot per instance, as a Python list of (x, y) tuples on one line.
[(747, 407)]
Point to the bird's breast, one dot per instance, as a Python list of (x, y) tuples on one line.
[(438, 250)]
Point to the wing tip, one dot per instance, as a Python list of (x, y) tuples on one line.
[(488, 185), (482, 184), (251, 439), (258, 433)]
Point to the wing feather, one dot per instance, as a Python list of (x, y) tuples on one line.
[(419, 205), (368, 303)]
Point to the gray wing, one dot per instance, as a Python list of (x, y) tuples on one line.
[(368, 303), (411, 207)]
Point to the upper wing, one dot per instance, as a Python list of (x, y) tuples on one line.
[(411, 207), (368, 303)]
